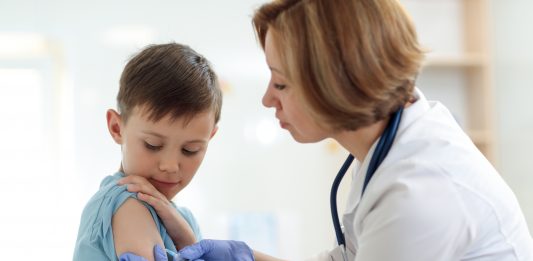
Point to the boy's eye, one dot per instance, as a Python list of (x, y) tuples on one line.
[(189, 152), (279, 86), (152, 147)]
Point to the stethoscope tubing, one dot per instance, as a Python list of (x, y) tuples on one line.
[(333, 199), (381, 151)]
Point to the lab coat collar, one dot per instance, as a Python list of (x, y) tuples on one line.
[(410, 114), (415, 111)]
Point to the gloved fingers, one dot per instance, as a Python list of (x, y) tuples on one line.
[(172, 256), (128, 256), (191, 252), (197, 250), (160, 254)]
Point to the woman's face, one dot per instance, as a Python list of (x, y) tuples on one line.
[(283, 96)]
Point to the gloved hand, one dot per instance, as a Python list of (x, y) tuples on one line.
[(218, 250), (159, 255)]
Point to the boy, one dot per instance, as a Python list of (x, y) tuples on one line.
[(169, 103)]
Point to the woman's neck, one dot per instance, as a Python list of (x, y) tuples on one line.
[(359, 142)]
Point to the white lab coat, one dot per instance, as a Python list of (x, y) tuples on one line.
[(435, 197)]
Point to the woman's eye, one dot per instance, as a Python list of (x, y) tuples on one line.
[(279, 86), (152, 147), (188, 152)]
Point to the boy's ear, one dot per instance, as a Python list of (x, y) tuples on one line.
[(114, 125), (214, 131)]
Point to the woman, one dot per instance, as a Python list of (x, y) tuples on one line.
[(344, 69)]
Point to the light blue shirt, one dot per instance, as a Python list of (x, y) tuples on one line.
[(95, 235)]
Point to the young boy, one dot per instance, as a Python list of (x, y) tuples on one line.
[(169, 103)]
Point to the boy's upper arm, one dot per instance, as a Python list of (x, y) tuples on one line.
[(134, 230)]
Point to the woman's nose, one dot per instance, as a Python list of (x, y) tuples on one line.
[(269, 100)]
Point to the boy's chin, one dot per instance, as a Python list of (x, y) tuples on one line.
[(168, 190), (170, 194)]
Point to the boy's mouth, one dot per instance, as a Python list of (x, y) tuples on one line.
[(163, 184)]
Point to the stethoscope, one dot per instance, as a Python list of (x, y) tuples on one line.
[(381, 151)]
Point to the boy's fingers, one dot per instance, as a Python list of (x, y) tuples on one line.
[(156, 200), (141, 188), (149, 199), (123, 181), (150, 190), (141, 184), (128, 180), (132, 179), (132, 188)]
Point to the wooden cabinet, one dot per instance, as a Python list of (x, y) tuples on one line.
[(458, 66)]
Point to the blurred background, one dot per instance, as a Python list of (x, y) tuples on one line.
[(60, 62)]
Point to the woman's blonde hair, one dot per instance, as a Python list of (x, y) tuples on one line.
[(354, 61)]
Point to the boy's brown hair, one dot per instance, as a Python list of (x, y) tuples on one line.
[(169, 79), (353, 61)]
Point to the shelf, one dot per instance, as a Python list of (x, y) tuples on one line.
[(467, 60), (458, 65), (480, 137)]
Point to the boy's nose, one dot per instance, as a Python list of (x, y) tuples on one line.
[(169, 164)]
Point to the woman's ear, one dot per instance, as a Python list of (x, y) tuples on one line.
[(114, 125)]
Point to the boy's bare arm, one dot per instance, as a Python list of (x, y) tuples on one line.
[(134, 230), (177, 227)]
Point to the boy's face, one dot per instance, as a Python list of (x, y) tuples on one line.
[(167, 153)]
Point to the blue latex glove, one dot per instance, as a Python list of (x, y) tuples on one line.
[(218, 250), (159, 255)]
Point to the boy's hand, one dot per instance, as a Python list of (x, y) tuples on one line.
[(178, 229)]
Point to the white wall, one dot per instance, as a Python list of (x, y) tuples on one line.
[(513, 74)]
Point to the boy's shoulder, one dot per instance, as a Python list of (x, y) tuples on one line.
[(95, 239), (110, 195)]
